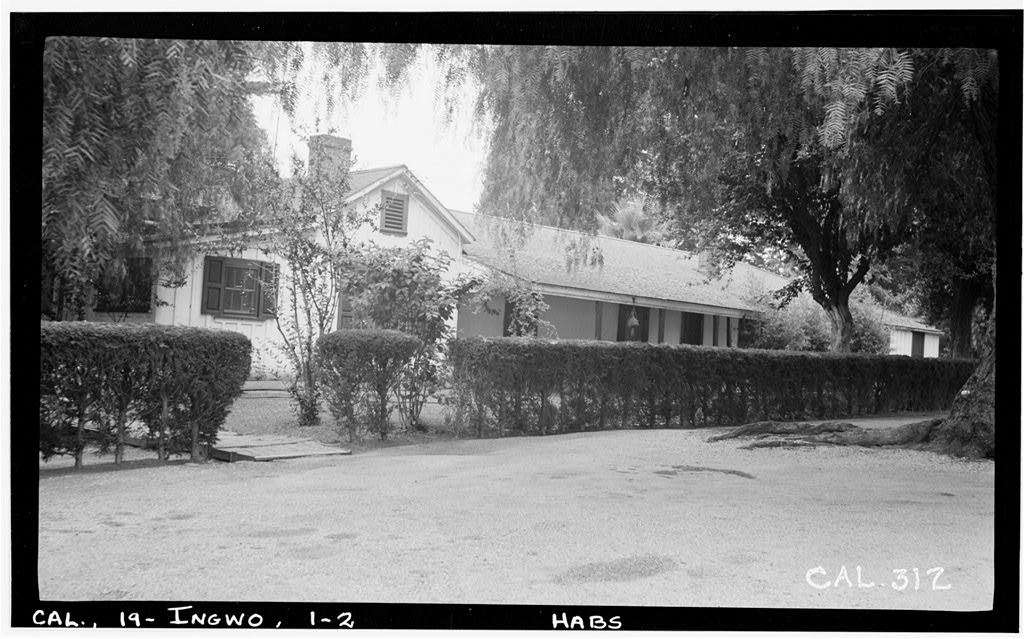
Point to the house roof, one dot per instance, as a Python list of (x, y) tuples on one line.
[(627, 269), (360, 180), (896, 320), (364, 181)]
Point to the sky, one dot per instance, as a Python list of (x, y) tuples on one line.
[(386, 130)]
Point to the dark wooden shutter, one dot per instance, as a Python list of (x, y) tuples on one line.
[(268, 290), (213, 284), (393, 215), (661, 325)]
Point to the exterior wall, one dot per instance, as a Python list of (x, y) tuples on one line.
[(652, 327), (901, 342), (484, 324), (734, 330), (931, 345), (673, 326), (709, 328), (183, 304), (422, 222), (609, 321), (572, 318)]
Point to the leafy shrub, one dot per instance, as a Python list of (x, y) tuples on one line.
[(360, 369), (404, 289), (524, 385), (802, 325), (179, 381)]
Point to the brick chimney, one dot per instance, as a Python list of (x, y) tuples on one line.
[(704, 263), (329, 155)]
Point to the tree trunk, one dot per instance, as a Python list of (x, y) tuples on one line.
[(195, 455), (122, 419), (838, 311), (970, 429), (961, 313), (80, 438), (161, 452)]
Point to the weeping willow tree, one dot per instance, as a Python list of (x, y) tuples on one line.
[(815, 153), (155, 140)]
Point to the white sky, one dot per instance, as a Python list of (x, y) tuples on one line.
[(387, 130)]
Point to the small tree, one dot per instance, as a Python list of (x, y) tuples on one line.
[(312, 230)]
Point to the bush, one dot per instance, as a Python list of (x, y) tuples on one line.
[(534, 386), (360, 368), (802, 325), (179, 381)]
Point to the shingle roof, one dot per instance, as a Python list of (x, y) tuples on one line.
[(629, 268), (902, 321), (359, 180)]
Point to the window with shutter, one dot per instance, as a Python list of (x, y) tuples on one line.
[(239, 288), (394, 214)]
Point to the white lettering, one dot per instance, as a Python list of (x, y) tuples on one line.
[(178, 621), (843, 575), (818, 570), (861, 584)]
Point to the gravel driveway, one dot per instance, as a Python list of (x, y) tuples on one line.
[(657, 518)]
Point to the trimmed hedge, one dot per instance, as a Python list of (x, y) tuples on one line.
[(536, 386), (360, 368), (179, 381)]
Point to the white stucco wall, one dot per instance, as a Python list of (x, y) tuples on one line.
[(609, 321), (709, 330), (673, 326), (572, 318), (470, 324)]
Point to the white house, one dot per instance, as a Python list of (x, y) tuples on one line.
[(668, 292)]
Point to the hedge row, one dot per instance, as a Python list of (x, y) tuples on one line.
[(525, 385), (360, 369), (97, 378)]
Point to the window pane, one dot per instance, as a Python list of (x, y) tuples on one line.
[(240, 290)]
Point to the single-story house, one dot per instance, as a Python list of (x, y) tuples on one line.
[(908, 336), (619, 290)]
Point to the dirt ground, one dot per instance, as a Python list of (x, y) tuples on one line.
[(656, 518)]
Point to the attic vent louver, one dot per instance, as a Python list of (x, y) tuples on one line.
[(394, 213)]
